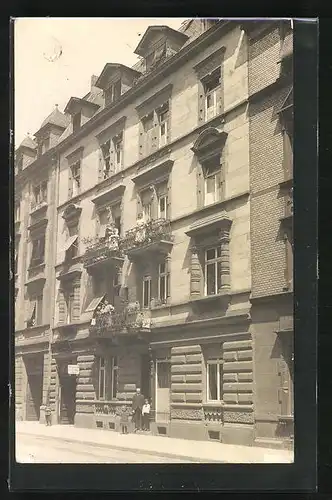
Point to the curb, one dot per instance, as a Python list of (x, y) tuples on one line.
[(123, 448)]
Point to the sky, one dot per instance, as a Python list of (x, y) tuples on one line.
[(54, 59)]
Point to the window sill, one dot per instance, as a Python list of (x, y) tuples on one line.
[(286, 418), (210, 298), (38, 208), (213, 404)]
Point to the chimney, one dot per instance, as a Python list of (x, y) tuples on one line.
[(94, 78)]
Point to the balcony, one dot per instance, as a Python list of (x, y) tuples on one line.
[(102, 250), (110, 322), (150, 237)]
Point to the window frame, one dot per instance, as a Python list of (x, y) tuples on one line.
[(206, 81), (146, 279), (38, 242), (163, 119), (219, 363), (165, 276), (40, 193), (216, 261), (77, 121), (102, 369), (106, 154), (118, 148), (76, 178)]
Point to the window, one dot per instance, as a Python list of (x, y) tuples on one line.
[(148, 122), (116, 215), (69, 298), (102, 379), (103, 221), (214, 380), (163, 116), (286, 374), (76, 178), (107, 378), (212, 271), (288, 237), (118, 144), (211, 86), (72, 251), (163, 282), (105, 150), (213, 182), (155, 57), (38, 251), (113, 93), (76, 122), (164, 374), (40, 194), (146, 291), (35, 317), (43, 146), (146, 198)]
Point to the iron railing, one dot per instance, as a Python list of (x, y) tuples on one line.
[(129, 319), (100, 249), (150, 232)]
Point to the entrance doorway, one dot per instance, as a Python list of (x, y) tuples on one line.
[(67, 394), (34, 371), (145, 376), (163, 390)]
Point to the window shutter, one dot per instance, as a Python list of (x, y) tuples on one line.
[(100, 166), (201, 102), (284, 387), (169, 196), (70, 183), (141, 140), (200, 187), (62, 307), (287, 155), (76, 311), (219, 100), (154, 133), (112, 158), (168, 124)]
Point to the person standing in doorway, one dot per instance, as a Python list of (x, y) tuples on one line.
[(146, 415), (138, 401)]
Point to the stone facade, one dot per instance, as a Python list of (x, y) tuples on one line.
[(169, 171)]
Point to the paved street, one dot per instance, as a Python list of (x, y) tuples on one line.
[(32, 449)]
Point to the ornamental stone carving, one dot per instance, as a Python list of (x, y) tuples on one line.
[(187, 413), (225, 260), (195, 275), (239, 417), (213, 414)]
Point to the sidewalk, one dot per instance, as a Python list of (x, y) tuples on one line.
[(202, 451)]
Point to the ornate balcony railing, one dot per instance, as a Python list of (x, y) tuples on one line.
[(154, 235), (111, 322), (101, 250)]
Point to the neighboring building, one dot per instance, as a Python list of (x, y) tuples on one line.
[(35, 204), (153, 236), (271, 186)]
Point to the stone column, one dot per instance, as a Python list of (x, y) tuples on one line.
[(195, 273), (225, 261)]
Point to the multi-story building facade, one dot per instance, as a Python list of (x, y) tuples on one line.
[(271, 186), (35, 210), (152, 267)]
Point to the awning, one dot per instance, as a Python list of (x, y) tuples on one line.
[(87, 315), (70, 241)]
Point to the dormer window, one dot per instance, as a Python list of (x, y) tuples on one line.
[(113, 93), (43, 146), (156, 56), (76, 122)]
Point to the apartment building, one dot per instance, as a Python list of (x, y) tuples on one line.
[(34, 219), (271, 186), (157, 235)]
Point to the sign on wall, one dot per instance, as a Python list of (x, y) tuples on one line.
[(73, 370)]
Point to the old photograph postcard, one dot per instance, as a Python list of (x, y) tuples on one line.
[(153, 235)]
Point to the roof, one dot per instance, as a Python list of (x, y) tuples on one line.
[(28, 142), (144, 43), (81, 102), (108, 68), (55, 118)]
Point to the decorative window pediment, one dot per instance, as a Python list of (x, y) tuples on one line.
[(209, 144), (113, 72)]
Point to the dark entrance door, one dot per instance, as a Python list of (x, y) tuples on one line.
[(145, 376), (34, 370), (67, 395)]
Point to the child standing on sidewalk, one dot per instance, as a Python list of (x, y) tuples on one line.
[(146, 415), (124, 420), (48, 414)]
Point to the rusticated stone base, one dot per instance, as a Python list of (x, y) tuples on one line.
[(187, 430), (84, 420), (237, 434)]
